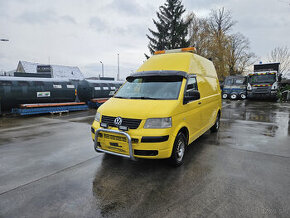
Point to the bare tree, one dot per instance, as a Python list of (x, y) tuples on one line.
[(220, 23), (199, 34), (211, 37), (281, 55), (239, 56)]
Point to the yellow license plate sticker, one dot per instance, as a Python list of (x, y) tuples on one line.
[(114, 143)]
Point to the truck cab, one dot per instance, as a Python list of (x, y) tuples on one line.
[(262, 85)]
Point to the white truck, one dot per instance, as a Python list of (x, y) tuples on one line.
[(263, 82)]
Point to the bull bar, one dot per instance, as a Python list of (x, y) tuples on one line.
[(110, 152)]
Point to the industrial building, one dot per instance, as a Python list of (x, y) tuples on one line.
[(30, 69)]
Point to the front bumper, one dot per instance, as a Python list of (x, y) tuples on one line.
[(140, 143), (258, 95)]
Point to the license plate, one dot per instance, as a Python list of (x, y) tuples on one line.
[(115, 137), (114, 143)]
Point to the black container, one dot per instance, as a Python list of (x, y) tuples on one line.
[(23, 90), (90, 89)]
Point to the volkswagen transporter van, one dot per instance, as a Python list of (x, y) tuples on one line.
[(172, 99)]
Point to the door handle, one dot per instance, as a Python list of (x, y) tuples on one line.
[(199, 102)]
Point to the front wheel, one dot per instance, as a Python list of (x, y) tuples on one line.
[(178, 150), (225, 96)]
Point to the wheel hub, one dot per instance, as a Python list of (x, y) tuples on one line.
[(180, 150)]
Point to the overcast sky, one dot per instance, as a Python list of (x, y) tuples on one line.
[(84, 32)]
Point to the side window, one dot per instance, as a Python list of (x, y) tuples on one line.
[(191, 85), (229, 82)]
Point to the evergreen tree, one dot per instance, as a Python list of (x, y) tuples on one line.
[(171, 30)]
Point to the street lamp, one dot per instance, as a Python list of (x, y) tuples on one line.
[(118, 75), (102, 68)]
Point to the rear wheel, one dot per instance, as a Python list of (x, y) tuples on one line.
[(233, 96), (243, 96), (216, 126), (178, 150)]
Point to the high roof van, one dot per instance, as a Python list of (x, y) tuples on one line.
[(172, 99)]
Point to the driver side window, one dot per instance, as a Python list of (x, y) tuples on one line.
[(191, 85)]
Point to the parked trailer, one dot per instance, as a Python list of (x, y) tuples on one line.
[(95, 89), (22, 90), (97, 102), (29, 109)]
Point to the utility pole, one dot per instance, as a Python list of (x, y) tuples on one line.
[(118, 75)]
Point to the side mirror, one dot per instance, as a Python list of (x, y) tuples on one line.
[(279, 77), (191, 95)]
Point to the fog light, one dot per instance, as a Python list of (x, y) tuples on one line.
[(104, 125), (124, 128)]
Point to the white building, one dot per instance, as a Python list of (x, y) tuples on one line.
[(55, 71)]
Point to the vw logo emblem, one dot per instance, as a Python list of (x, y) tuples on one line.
[(118, 121)]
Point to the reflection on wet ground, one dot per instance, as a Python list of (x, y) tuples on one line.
[(256, 126), (241, 171)]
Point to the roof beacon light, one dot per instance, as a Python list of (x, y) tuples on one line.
[(189, 49), (160, 52)]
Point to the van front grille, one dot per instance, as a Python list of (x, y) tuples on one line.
[(130, 123)]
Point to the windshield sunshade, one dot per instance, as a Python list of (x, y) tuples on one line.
[(151, 88)]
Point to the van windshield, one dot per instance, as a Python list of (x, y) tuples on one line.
[(153, 87)]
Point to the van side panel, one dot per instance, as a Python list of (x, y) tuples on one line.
[(209, 89)]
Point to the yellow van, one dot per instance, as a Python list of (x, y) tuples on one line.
[(172, 99)]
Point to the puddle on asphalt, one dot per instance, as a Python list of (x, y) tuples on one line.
[(270, 113), (120, 183), (10, 137), (88, 120)]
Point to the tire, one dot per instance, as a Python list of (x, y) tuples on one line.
[(243, 96), (216, 125), (178, 150), (225, 96), (233, 96)]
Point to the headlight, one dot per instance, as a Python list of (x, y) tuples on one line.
[(249, 87), (158, 123), (274, 86), (98, 117)]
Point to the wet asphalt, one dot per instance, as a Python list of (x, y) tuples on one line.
[(48, 168)]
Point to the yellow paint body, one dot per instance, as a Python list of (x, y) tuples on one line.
[(197, 116)]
